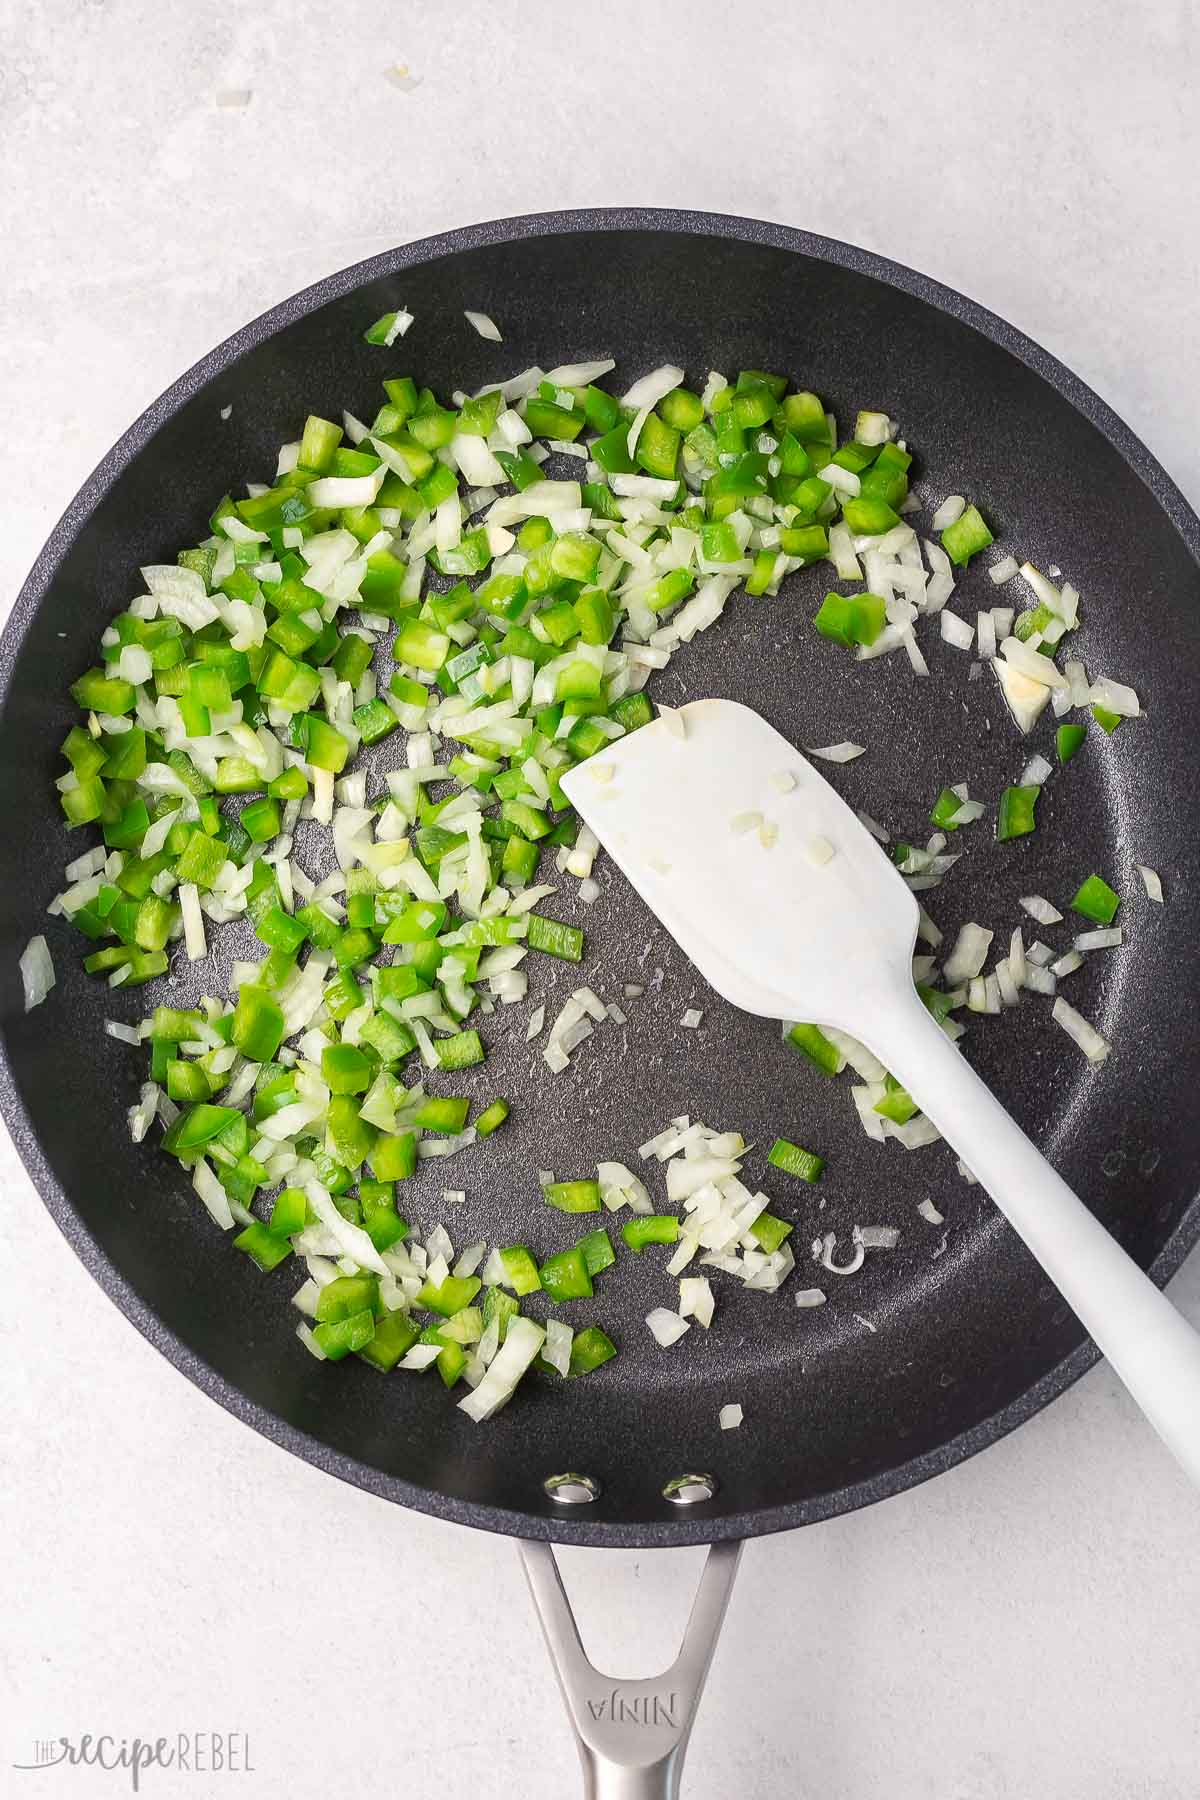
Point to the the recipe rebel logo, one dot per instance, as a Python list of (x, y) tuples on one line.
[(186, 1752)]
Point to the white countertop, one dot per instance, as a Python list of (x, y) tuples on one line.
[(1028, 1624)]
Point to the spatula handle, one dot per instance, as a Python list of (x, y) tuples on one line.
[(1150, 1345)]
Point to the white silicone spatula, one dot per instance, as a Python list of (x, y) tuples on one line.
[(819, 926)]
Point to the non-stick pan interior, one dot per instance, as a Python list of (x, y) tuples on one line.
[(930, 1350)]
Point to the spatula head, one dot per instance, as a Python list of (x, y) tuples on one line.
[(799, 916)]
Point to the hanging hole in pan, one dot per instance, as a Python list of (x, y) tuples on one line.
[(571, 1489), (690, 1490)]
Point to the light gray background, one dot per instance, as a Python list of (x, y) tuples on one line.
[(1026, 1625)]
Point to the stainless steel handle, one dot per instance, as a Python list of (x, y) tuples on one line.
[(631, 1735)]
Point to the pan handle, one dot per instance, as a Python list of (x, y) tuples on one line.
[(631, 1735)]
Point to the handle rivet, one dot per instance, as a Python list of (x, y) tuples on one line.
[(571, 1489), (690, 1490)]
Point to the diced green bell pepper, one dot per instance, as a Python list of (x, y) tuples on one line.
[(1096, 901), (794, 1160), (650, 1228), (565, 1276), (1015, 816), (573, 1196), (812, 1042)]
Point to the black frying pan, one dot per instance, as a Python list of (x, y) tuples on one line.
[(969, 1340)]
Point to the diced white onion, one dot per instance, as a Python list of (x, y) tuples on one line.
[(968, 955), (1115, 697), (581, 374), (1040, 909), (873, 428), (927, 931), (353, 1239), (37, 971), (486, 327), (215, 1199), (841, 549), (557, 1348), (1026, 699), (666, 1327), (652, 388), (956, 631), (1094, 1047), (844, 480), (837, 753), (825, 1252), (696, 1300), (1107, 938), (1032, 664), (193, 921), (522, 1342), (1151, 882), (643, 487), (952, 508), (1077, 681), (142, 1115)]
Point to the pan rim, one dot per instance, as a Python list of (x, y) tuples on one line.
[(708, 1524)]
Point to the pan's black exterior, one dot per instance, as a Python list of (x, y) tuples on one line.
[(969, 1340)]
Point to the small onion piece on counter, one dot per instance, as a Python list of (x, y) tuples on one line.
[(730, 1417)]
